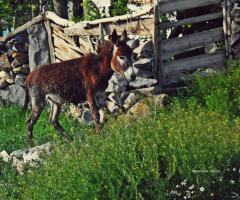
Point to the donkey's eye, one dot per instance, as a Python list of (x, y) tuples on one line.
[(121, 57)]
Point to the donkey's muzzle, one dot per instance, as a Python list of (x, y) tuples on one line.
[(130, 74)]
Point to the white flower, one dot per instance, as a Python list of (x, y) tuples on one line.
[(190, 188), (232, 182), (234, 169), (177, 186), (184, 182), (202, 189), (185, 197)]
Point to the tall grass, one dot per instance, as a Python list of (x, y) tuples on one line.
[(188, 149)]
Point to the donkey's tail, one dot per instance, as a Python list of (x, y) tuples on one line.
[(25, 106)]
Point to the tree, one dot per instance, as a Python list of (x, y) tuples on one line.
[(61, 8)]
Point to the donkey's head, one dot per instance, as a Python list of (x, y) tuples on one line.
[(122, 56)]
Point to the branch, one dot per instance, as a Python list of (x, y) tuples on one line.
[(22, 28), (87, 24), (58, 20)]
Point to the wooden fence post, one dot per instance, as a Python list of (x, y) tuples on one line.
[(50, 41), (158, 72), (227, 27)]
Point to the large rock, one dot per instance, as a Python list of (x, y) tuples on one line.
[(143, 73), (24, 69), (20, 59), (20, 47), (145, 63), (20, 79), (117, 83), (4, 63), (13, 94), (38, 46), (131, 99), (133, 43), (145, 50), (141, 108), (143, 82), (3, 83), (7, 76)]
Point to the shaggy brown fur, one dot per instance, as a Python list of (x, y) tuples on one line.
[(74, 81)]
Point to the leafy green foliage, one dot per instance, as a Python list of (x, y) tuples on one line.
[(119, 7)]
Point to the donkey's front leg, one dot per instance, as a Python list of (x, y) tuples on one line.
[(93, 105)]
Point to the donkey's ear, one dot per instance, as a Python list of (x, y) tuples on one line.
[(114, 37), (124, 36)]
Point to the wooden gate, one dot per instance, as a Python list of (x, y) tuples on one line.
[(168, 70)]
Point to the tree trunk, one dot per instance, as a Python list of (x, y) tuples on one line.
[(77, 8), (61, 8)]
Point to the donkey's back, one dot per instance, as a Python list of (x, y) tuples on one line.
[(74, 81)]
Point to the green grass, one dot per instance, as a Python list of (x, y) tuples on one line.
[(188, 148)]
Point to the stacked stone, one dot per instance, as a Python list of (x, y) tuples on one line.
[(122, 94), (14, 69)]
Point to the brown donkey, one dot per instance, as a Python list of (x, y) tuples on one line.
[(76, 80)]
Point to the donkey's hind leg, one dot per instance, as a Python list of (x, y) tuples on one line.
[(55, 111), (35, 114)]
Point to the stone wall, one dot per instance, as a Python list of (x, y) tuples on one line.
[(18, 57)]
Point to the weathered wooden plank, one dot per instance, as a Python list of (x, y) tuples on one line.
[(116, 19), (192, 20), (55, 26), (192, 41), (142, 26), (61, 44), (50, 41), (178, 5), (61, 54), (67, 45), (61, 34), (58, 20), (191, 63)]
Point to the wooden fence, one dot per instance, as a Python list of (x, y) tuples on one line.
[(168, 71), (63, 46)]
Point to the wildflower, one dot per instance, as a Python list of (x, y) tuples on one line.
[(212, 194), (177, 186), (221, 179), (202, 189), (213, 182), (228, 169), (232, 181), (185, 197), (190, 188), (184, 182), (234, 169)]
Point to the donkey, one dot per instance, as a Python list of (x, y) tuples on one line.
[(77, 80)]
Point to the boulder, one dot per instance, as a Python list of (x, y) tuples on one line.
[(236, 50), (145, 63), (145, 50), (38, 46), (235, 27), (5, 65), (141, 108), (148, 91), (87, 117), (143, 73), (13, 94), (4, 156), (130, 100), (142, 82), (117, 83), (235, 15), (20, 47), (3, 83), (133, 43), (118, 98), (24, 69), (112, 107), (20, 59), (7, 76), (20, 79)]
